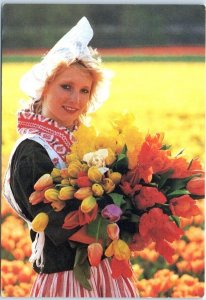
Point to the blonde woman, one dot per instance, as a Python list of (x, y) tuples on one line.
[(67, 84)]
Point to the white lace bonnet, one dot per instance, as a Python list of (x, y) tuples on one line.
[(71, 47)]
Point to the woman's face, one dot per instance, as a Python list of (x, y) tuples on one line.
[(66, 97)]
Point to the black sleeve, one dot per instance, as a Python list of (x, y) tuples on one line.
[(29, 163)]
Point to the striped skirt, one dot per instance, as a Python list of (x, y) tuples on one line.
[(64, 284)]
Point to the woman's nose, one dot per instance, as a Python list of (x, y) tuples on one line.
[(75, 96)]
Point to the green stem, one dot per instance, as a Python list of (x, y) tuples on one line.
[(98, 227)]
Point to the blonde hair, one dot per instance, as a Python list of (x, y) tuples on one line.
[(98, 78)]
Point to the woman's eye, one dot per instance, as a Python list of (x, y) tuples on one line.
[(85, 91), (66, 86)]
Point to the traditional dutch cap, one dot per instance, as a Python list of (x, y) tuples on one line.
[(73, 46)]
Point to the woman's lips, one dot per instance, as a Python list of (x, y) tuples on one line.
[(70, 109)]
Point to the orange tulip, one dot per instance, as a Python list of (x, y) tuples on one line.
[(64, 173), (196, 186), (36, 197), (95, 252), (83, 193), (43, 182), (58, 205), (113, 231)]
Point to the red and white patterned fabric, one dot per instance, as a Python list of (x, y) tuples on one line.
[(58, 137), (64, 284)]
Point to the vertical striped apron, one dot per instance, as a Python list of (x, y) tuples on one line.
[(64, 284)]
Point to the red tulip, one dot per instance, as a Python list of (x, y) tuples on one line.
[(184, 206), (95, 252), (196, 186), (83, 181), (120, 267)]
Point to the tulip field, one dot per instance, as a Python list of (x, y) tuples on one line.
[(164, 96)]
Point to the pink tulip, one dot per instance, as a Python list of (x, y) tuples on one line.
[(112, 212)]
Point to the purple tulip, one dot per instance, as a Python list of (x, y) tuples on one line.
[(112, 212)]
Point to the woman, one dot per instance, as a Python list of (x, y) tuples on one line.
[(65, 86)]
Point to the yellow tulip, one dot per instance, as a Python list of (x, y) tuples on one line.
[(88, 204), (115, 177), (66, 193), (110, 249), (55, 173), (72, 181), (40, 222), (85, 168), (108, 185), (51, 195), (74, 168), (64, 173), (121, 250), (71, 157), (65, 181), (83, 192), (110, 158), (43, 182), (94, 174), (58, 205), (97, 190)]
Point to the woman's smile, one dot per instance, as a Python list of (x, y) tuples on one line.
[(67, 97), (70, 109)]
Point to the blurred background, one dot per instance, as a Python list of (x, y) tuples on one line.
[(39, 25), (157, 55)]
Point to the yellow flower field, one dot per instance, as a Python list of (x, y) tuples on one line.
[(164, 97)]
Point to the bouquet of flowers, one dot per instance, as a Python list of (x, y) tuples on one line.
[(130, 191)]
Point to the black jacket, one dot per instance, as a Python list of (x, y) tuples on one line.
[(29, 163)]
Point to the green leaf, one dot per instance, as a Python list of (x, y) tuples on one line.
[(81, 255), (165, 147), (92, 228), (82, 274), (175, 219), (124, 149), (180, 152), (177, 184), (121, 164), (164, 177), (117, 199), (126, 236), (178, 193), (134, 218)]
